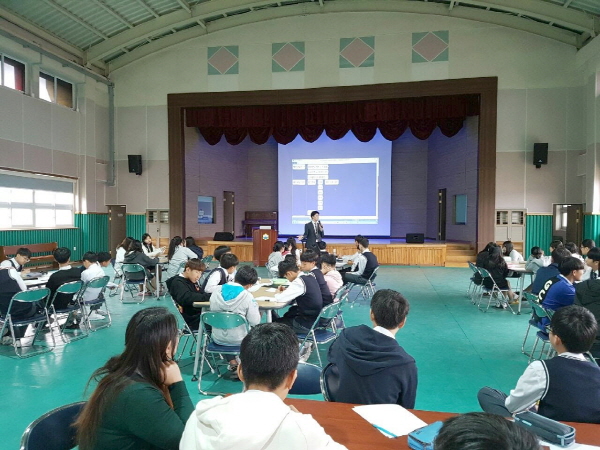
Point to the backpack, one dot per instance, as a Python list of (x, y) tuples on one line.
[(222, 281)]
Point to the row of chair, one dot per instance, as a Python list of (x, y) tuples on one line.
[(477, 290), (52, 316)]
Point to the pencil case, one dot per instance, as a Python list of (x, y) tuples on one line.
[(547, 429), (422, 438)]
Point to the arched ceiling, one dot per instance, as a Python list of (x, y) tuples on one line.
[(105, 35)]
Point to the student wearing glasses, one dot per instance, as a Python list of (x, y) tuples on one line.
[(17, 262)]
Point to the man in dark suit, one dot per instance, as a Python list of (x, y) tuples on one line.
[(313, 232)]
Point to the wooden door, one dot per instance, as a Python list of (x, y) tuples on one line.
[(117, 226), (574, 224), (229, 212)]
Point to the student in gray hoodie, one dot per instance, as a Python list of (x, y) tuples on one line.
[(234, 297)]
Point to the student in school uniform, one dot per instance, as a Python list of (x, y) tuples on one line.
[(586, 245), (308, 264), (148, 248), (11, 283), (17, 262), (332, 277), (93, 270), (222, 274), (190, 243), (275, 258), (121, 251), (257, 418), (508, 251), (178, 254), (546, 273)]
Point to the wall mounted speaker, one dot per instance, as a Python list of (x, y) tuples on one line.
[(540, 154), (135, 164)]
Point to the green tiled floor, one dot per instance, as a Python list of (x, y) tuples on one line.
[(457, 348)]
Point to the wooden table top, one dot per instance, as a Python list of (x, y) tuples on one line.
[(348, 428), (262, 304)]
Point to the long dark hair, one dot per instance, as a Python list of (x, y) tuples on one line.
[(148, 334), (149, 247), (290, 245), (125, 243), (175, 242), (190, 241), (508, 247), (496, 259), (135, 246)]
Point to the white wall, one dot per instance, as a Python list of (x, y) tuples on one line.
[(541, 92), (39, 136)]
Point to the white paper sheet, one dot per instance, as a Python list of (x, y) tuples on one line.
[(391, 418)]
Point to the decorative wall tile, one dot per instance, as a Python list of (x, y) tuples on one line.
[(357, 52), (223, 60), (430, 46), (288, 57)]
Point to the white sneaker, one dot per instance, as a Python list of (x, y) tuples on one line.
[(305, 352), (95, 316)]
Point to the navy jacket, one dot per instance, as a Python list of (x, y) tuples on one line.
[(372, 368), (544, 274)]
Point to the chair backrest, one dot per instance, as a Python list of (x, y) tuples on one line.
[(53, 430), (98, 283), (484, 273), (33, 295), (71, 288), (374, 274), (329, 311), (342, 293), (130, 270), (330, 382), (539, 310), (473, 267), (532, 298), (308, 381), (224, 320)]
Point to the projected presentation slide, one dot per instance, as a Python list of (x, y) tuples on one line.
[(347, 181)]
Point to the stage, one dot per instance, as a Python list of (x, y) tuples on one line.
[(388, 251)]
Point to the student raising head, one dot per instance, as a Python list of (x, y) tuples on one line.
[(141, 401)]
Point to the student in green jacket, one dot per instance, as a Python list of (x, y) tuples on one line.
[(141, 402)]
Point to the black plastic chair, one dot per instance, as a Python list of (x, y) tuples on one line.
[(54, 430), (308, 381), (330, 382)]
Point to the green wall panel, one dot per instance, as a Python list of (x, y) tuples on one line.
[(65, 237), (591, 227), (94, 232), (136, 225), (538, 233)]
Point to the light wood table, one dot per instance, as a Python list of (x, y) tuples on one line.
[(348, 428), (520, 269)]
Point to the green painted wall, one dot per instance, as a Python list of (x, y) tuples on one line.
[(136, 225), (94, 232), (538, 233), (591, 227)]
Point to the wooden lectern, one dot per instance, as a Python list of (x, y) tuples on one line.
[(262, 245)]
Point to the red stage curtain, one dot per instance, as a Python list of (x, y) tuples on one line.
[(285, 122)]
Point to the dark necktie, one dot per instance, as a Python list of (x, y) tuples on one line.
[(593, 275)]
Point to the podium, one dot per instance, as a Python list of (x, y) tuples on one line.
[(262, 245)]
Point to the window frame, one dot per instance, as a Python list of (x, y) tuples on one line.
[(55, 79), (25, 75)]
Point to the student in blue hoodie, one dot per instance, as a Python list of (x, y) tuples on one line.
[(372, 367), (234, 297)]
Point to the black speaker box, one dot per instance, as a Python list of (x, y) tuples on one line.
[(223, 236), (135, 164), (540, 154), (415, 238)]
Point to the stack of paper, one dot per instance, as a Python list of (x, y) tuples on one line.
[(391, 420)]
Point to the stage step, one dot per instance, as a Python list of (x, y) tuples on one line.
[(456, 264), (459, 246), (460, 258), (462, 252)]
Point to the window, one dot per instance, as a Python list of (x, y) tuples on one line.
[(55, 90), (35, 201), (12, 73)]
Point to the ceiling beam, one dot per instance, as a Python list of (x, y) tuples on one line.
[(76, 19), (340, 6), (185, 5), (113, 13), (144, 5)]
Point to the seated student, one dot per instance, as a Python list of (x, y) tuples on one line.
[(483, 431), (367, 263), (587, 293), (536, 260), (178, 254), (308, 264), (305, 290), (332, 276), (17, 262), (508, 251), (190, 243), (141, 401), (136, 255), (484, 254), (104, 259), (121, 251), (257, 418), (92, 270), (586, 245), (185, 291), (275, 258), (555, 244), (234, 297), (354, 258), (148, 248), (551, 271), (567, 386), (11, 283), (572, 247), (371, 366), (496, 266), (222, 274), (291, 249), (64, 274), (560, 291)]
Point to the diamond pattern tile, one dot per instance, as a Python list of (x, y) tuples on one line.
[(288, 57), (223, 60), (430, 46), (357, 52)]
